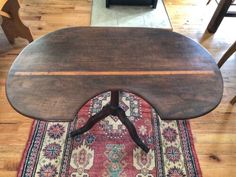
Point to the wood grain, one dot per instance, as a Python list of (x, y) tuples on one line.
[(177, 76), (45, 17)]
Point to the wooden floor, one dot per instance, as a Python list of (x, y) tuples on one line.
[(214, 134)]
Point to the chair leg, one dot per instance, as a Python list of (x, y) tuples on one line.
[(13, 27), (233, 101), (224, 58), (107, 3), (154, 3), (106, 111), (227, 54), (132, 131), (218, 16)]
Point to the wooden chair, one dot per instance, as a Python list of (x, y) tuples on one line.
[(224, 58), (11, 23), (220, 12)]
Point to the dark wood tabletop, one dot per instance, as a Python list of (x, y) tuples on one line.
[(54, 76)]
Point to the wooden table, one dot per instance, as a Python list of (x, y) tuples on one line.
[(56, 75)]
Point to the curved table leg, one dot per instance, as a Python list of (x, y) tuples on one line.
[(112, 109), (132, 131), (106, 111)]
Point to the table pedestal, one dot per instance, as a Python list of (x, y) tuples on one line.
[(114, 109)]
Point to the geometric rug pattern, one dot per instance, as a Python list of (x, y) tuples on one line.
[(107, 149)]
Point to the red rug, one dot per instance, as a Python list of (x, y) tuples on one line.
[(107, 149)]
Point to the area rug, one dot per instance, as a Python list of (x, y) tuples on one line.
[(130, 16), (107, 149)]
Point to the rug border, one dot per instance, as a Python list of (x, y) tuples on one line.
[(193, 147)]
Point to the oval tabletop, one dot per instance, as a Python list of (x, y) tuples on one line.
[(54, 76)]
